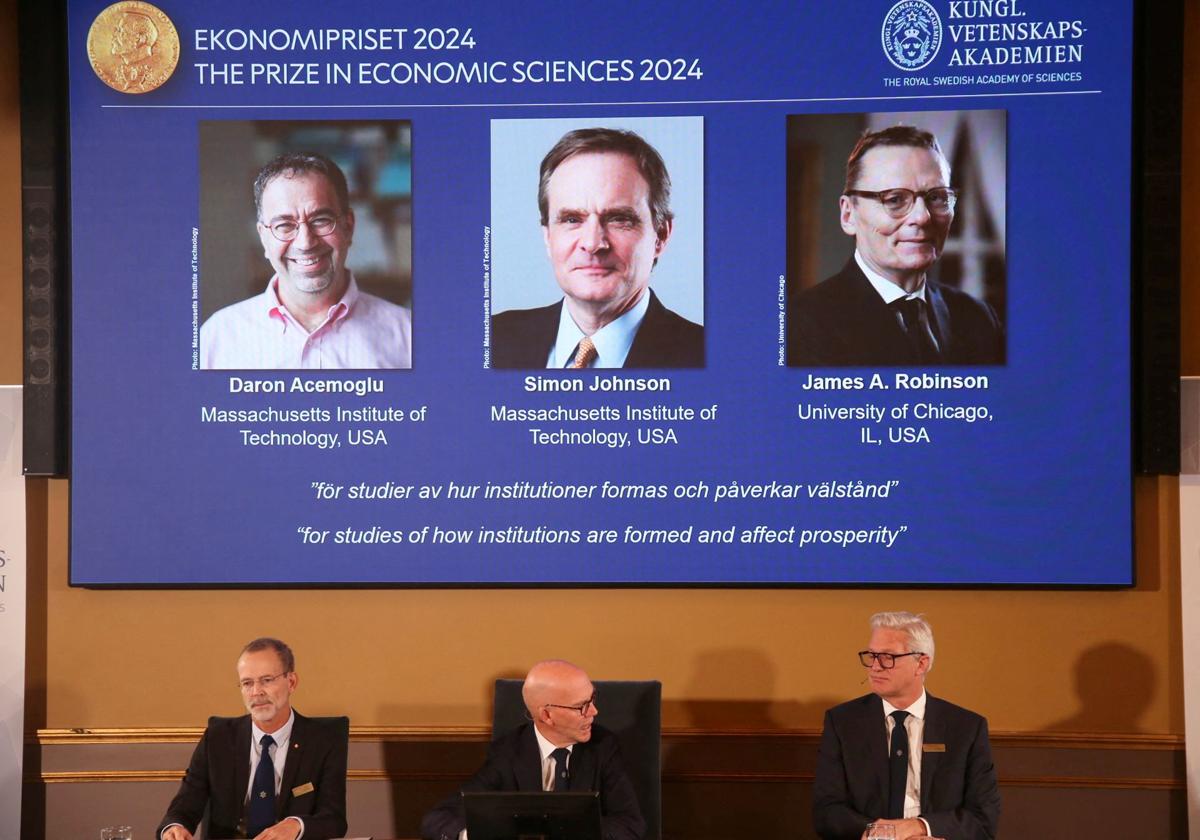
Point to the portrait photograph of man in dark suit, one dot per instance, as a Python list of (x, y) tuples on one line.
[(607, 225), (924, 281)]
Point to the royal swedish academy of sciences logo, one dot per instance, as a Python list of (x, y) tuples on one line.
[(912, 34)]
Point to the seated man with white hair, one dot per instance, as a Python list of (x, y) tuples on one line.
[(560, 749), (901, 757)]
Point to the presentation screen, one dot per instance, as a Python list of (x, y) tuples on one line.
[(486, 293)]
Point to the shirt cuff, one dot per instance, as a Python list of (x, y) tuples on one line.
[(928, 830), (165, 827), (301, 834)]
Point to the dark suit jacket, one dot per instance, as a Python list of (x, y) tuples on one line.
[(219, 776), (959, 797), (522, 338), (843, 322), (514, 763)]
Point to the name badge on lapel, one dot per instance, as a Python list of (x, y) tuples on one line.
[(933, 748), (307, 787)]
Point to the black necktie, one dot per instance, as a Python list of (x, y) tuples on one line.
[(924, 349), (260, 815), (897, 767), (561, 777)]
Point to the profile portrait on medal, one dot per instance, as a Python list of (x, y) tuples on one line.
[(133, 46), (303, 258), (597, 243), (896, 239), (133, 42)]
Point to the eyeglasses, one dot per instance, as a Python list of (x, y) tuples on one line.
[(288, 229), (261, 682), (885, 660), (899, 202), (581, 709)]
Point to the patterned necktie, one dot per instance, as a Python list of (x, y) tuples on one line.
[(919, 337), (585, 353), (561, 777), (897, 767), (260, 814)]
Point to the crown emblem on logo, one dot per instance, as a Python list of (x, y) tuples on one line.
[(912, 34)]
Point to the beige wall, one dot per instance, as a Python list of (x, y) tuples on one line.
[(1031, 660), (753, 657)]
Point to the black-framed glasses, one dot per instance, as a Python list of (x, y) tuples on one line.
[(580, 710), (885, 660), (898, 202), (263, 682), (286, 230)]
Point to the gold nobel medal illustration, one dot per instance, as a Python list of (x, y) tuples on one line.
[(133, 47)]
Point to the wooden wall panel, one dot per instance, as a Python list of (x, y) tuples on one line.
[(716, 786)]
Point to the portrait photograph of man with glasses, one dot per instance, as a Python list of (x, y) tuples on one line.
[(922, 197), (323, 188)]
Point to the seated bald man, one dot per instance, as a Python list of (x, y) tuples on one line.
[(561, 704)]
